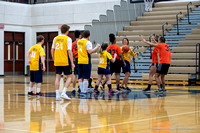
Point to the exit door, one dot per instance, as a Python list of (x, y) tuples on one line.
[(14, 53)]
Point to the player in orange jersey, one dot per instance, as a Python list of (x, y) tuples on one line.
[(165, 61), (154, 64), (77, 34)]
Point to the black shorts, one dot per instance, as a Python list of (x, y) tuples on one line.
[(126, 68), (66, 69), (103, 71), (154, 64), (84, 71), (116, 66), (36, 76), (163, 68), (76, 66)]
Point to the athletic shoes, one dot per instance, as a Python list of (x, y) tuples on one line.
[(160, 90), (96, 91), (58, 98), (90, 87), (39, 94), (31, 93), (83, 95), (64, 96), (111, 91), (147, 90), (118, 90), (128, 89), (73, 92)]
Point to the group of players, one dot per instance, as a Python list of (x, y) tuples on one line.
[(76, 56)]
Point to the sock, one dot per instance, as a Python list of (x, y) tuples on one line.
[(96, 87), (149, 86), (30, 89), (81, 86), (103, 84), (161, 86), (64, 90), (117, 86), (109, 87), (90, 82), (57, 93), (38, 90), (74, 89), (85, 86)]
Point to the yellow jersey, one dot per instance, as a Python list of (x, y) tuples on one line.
[(36, 52), (83, 56), (127, 55), (60, 45), (104, 60)]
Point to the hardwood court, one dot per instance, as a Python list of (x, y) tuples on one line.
[(177, 111)]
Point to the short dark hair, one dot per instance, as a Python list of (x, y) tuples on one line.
[(64, 28), (86, 33), (126, 40), (112, 38), (162, 39), (103, 47), (40, 38), (77, 33)]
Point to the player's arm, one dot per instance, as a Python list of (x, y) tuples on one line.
[(89, 48), (149, 43), (113, 59), (43, 62), (119, 51), (158, 58), (53, 50), (69, 50), (28, 57), (132, 53)]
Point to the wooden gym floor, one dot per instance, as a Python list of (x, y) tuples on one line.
[(177, 111)]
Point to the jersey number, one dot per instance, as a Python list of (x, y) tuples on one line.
[(101, 61), (75, 47), (80, 49), (112, 52), (33, 54), (167, 48), (59, 46)]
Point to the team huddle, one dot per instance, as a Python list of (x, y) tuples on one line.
[(76, 56)]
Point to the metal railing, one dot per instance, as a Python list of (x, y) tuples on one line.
[(197, 67), (188, 11), (163, 28), (177, 19)]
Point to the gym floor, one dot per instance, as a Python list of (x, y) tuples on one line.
[(176, 111)]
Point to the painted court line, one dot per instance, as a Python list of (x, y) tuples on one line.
[(132, 121)]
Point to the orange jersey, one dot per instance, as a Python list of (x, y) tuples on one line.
[(154, 55), (164, 53), (74, 48), (114, 49)]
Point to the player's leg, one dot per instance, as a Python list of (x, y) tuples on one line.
[(80, 76), (100, 76), (127, 75), (163, 81), (117, 76), (86, 76), (57, 81), (38, 81), (68, 72), (108, 78), (151, 74), (30, 89), (74, 80)]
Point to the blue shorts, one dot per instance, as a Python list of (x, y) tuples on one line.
[(126, 68), (84, 71), (66, 69), (36, 76), (103, 71)]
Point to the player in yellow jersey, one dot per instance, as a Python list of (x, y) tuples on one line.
[(35, 57), (84, 61), (104, 67), (63, 60), (126, 69)]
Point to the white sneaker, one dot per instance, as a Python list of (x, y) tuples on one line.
[(58, 99), (64, 96)]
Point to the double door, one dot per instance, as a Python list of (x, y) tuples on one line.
[(14, 53)]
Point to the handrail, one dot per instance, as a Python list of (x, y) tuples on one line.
[(197, 66), (177, 22), (188, 12), (163, 28)]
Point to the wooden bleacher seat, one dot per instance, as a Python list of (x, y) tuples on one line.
[(189, 49)]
